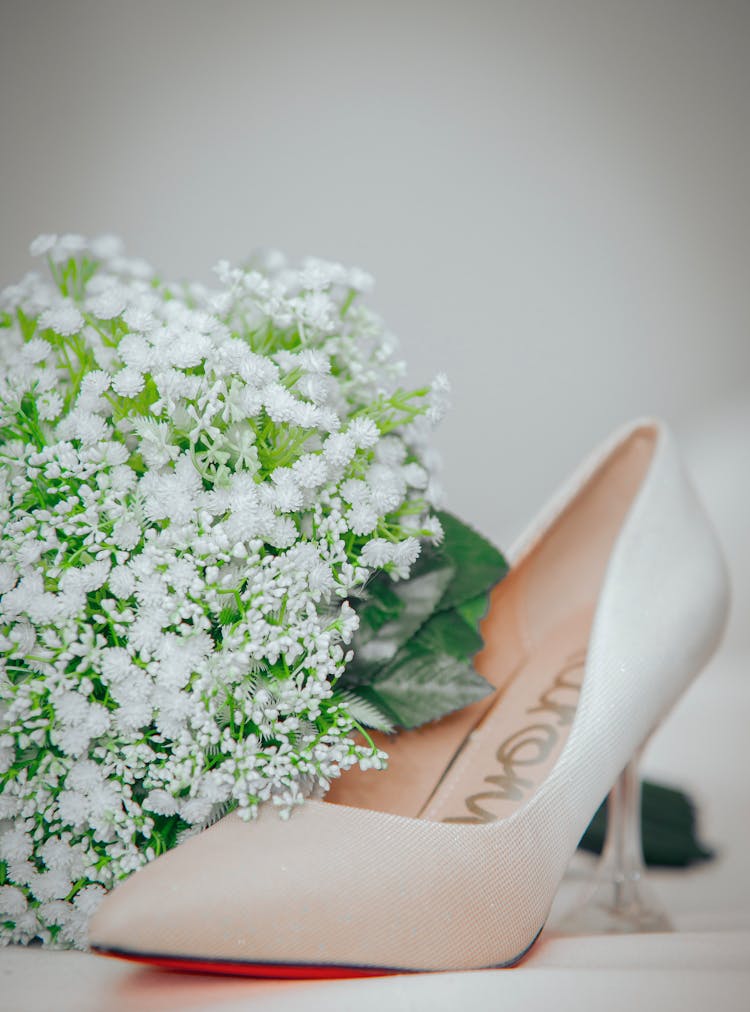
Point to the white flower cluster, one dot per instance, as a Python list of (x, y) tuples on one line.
[(193, 484)]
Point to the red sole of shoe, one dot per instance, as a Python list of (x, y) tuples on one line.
[(226, 967), (276, 971)]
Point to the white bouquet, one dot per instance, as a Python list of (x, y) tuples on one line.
[(195, 483)]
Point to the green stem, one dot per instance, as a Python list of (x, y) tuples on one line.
[(351, 296), (363, 732)]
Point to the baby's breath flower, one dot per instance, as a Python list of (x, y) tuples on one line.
[(364, 433), (42, 244), (194, 482), (377, 553), (63, 318)]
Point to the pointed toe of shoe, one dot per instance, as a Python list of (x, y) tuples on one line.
[(240, 893), (199, 900), (154, 912), (331, 887)]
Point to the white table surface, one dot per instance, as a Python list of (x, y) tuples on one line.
[(703, 965)]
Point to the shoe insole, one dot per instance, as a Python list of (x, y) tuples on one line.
[(480, 763), (513, 748)]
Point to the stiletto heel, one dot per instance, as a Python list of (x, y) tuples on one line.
[(618, 898)]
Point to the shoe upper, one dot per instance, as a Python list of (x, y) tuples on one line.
[(349, 886)]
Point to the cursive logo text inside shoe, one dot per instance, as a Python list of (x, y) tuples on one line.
[(523, 755)]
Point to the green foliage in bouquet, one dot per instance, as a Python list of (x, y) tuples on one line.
[(416, 640)]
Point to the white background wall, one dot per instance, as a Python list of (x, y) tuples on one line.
[(553, 196)]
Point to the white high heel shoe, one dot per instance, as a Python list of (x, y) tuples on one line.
[(450, 860)]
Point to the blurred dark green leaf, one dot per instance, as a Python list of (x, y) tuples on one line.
[(669, 828)]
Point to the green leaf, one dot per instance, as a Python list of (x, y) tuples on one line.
[(474, 610), (478, 564), (381, 605), (366, 712), (426, 689), (229, 614), (376, 644), (413, 650), (431, 675), (448, 633)]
